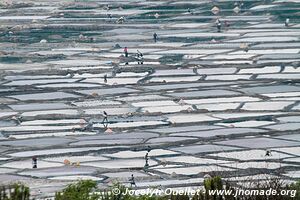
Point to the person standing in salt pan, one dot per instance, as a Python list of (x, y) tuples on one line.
[(219, 25), (195, 70), (105, 120), (155, 37), (146, 161), (132, 181), (34, 162), (268, 153), (126, 51), (140, 57), (287, 21), (105, 78)]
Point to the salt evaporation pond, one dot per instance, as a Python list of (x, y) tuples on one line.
[(201, 102)]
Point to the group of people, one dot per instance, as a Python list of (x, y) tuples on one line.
[(139, 55), (132, 180), (219, 24)]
